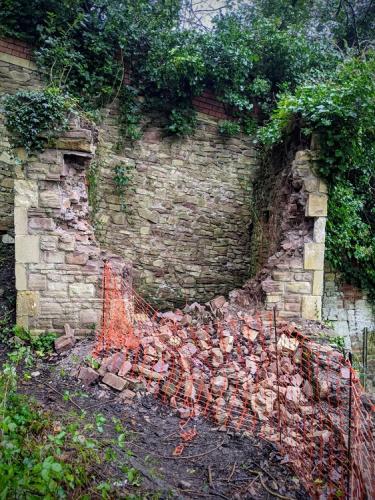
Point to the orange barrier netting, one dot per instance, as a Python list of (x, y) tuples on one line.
[(251, 374)]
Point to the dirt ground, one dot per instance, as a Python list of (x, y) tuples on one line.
[(213, 465)]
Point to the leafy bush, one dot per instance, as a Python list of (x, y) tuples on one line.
[(35, 116), (229, 128), (85, 48), (182, 121)]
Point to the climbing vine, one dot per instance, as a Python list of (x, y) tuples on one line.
[(122, 178)]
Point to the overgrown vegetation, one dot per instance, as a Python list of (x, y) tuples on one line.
[(35, 116), (43, 455), (341, 110), (308, 64)]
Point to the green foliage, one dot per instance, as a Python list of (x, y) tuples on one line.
[(35, 116), (182, 121), (122, 178), (41, 344), (130, 114), (85, 48), (340, 109), (229, 128), (31, 451)]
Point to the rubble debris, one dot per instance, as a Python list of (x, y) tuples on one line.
[(114, 381), (64, 343)]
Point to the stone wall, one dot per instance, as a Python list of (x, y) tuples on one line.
[(291, 274), (186, 226), (58, 261), (346, 309), (16, 73), (188, 209)]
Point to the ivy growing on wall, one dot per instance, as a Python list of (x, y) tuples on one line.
[(34, 117), (341, 110)]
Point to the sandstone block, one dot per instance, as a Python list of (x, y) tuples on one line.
[(26, 193), (219, 384), (292, 307), (48, 243), (64, 343), (302, 287), (87, 375), (272, 287), (114, 381), (115, 362), (50, 199), (218, 302), (318, 283), (27, 249), (21, 278), (323, 188), (119, 218), (312, 307), (88, 316), (316, 205), (27, 303), (125, 368), (314, 256), (54, 257), (282, 276), (82, 290), (37, 282), (77, 258), (74, 144), (127, 394), (144, 213), (272, 299), (42, 223), (320, 230), (67, 242)]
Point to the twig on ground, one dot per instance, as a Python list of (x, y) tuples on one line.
[(232, 471), (209, 472), (62, 395), (187, 457)]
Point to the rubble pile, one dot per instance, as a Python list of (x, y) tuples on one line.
[(244, 372)]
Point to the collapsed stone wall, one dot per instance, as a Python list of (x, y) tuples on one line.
[(188, 223), (58, 261), (188, 209), (291, 268)]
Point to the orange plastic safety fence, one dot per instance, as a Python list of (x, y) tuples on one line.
[(249, 374)]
